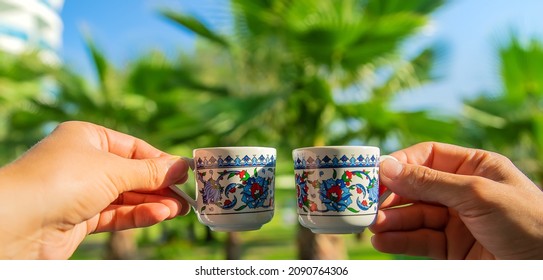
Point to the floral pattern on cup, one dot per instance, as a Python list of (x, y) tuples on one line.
[(336, 192), (237, 189)]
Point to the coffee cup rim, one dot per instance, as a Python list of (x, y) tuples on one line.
[(337, 147), (234, 148)]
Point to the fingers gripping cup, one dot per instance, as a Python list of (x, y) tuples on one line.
[(337, 187), (234, 187)]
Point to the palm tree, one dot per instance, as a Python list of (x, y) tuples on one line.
[(22, 76), (147, 100), (305, 73), (511, 121)]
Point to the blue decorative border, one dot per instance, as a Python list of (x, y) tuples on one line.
[(264, 160), (342, 162)]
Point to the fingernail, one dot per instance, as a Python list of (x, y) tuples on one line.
[(177, 170), (391, 168), (172, 161), (189, 161)]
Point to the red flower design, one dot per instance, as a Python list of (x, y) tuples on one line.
[(256, 190), (334, 193)]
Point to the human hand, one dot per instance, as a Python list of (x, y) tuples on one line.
[(83, 179), (451, 202)]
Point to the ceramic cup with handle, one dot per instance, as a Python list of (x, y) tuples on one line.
[(337, 187), (234, 187)]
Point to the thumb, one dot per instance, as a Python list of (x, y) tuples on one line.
[(425, 184), (150, 174)]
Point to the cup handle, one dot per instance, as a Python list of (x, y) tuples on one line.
[(181, 193), (386, 193)]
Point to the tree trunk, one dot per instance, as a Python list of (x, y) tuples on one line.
[(320, 246), (359, 237), (209, 235), (122, 246), (233, 246), (191, 232)]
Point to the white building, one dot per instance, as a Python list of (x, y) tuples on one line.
[(31, 25)]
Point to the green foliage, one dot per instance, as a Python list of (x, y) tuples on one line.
[(149, 99), (322, 72), (196, 26), (511, 121), (521, 69), (22, 77)]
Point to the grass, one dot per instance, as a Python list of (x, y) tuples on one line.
[(274, 241)]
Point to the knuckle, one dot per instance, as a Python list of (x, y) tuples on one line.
[(64, 126), (499, 158), (152, 174), (70, 128), (423, 176), (476, 186), (69, 125), (490, 165)]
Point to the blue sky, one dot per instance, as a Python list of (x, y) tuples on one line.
[(126, 28), (470, 30)]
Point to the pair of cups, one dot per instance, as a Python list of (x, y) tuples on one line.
[(337, 187)]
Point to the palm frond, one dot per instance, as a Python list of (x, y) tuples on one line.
[(195, 25)]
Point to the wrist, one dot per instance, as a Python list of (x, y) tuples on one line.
[(20, 223)]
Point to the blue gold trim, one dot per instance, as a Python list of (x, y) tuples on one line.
[(263, 160), (301, 162)]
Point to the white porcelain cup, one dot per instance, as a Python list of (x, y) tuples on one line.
[(337, 187), (234, 187)]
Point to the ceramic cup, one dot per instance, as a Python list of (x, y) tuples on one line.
[(337, 187), (234, 187)]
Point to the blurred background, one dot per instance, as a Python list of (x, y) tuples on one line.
[(282, 73)]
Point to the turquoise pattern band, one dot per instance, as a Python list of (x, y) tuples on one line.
[(263, 160), (343, 161)]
